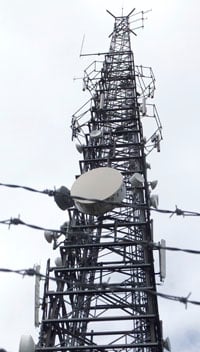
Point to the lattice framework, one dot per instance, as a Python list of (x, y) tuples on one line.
[(102, 299)]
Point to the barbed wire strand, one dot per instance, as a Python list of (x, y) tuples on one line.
[(177, 249), (177, 211), (17, 221), (33, 272), (137, 206), (46, 191)]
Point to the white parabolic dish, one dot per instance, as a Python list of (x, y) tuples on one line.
[(103, 183)]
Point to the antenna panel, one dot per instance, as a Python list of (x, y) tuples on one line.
[(37, 295), (162, 258), (26, 344)]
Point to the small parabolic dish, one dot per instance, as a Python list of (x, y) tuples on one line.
[(104, 184), (136, 180)]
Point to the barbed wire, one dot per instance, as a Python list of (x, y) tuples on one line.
[(46, 191), (179, 299), (34, 272), (177, 211), (137, 206), (30, 272), (18, 221), (167, 248)]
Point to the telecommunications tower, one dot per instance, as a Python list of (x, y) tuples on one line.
[(100, 296)]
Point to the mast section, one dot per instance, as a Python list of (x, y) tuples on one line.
[(104, 298)]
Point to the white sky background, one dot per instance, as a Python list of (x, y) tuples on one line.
[(39, 57)]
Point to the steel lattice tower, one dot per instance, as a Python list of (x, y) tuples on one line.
[(103, 297)]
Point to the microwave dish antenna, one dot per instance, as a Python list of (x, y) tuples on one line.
[(98, 191)]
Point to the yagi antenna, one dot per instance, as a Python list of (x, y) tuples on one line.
[(142, 18)]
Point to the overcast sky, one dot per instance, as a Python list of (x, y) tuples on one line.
[(40, 42)]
